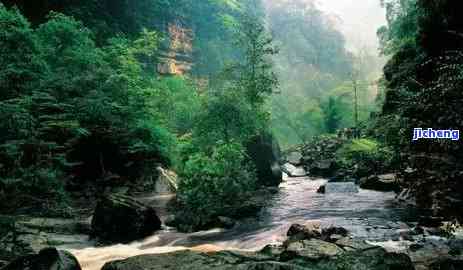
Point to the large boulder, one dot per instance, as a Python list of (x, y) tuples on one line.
[(46, 259), (122, 219), (385, 182), (265, 153)]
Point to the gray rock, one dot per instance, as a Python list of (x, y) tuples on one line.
[(265, 153), (312, 249), (294, 158), (322, 167), (273, 250), (189, 260), (385, 182), (300, 232), (341, 187), (303, 255), (46, 259), (225, 222), (347, 242), (122, 219), (332, 234)]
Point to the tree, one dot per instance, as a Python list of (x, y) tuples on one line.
[(81, 115), (332, 115), (255, 74)]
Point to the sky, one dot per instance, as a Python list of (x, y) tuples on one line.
[(357, 19)]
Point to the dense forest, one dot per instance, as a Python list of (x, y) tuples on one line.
[(84, 104), (234, 108)]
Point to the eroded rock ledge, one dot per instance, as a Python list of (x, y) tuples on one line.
[(306, 248)]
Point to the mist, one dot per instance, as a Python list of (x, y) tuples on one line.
[(358, 22), (326, 46)]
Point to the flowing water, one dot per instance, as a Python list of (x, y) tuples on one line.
[(366, 214)]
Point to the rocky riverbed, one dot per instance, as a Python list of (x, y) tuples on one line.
[(377, 227)]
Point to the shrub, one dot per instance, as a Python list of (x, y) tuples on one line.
[(209, 182), (366, 155)]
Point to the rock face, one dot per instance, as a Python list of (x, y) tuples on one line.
[(119, 218), (265, 153), (385, 182), (22, 236), (176, 59), (46, 259)]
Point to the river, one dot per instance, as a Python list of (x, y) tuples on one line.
[(367, 214)]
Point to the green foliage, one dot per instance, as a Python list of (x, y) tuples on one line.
[(255, 74), (226, 116), (332, 115), (365, 153), (177, 103), (402, 26), (19, 55), (105, 18), (210, 181), (216, 174), (81, 105), (72, 111), (316, 73)]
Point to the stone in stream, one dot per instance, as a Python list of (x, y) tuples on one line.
[(122, 219), (321, 189), (338, 187), (385, 182), (332, 234), (300, 232), (46, 259), (312, 230)]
